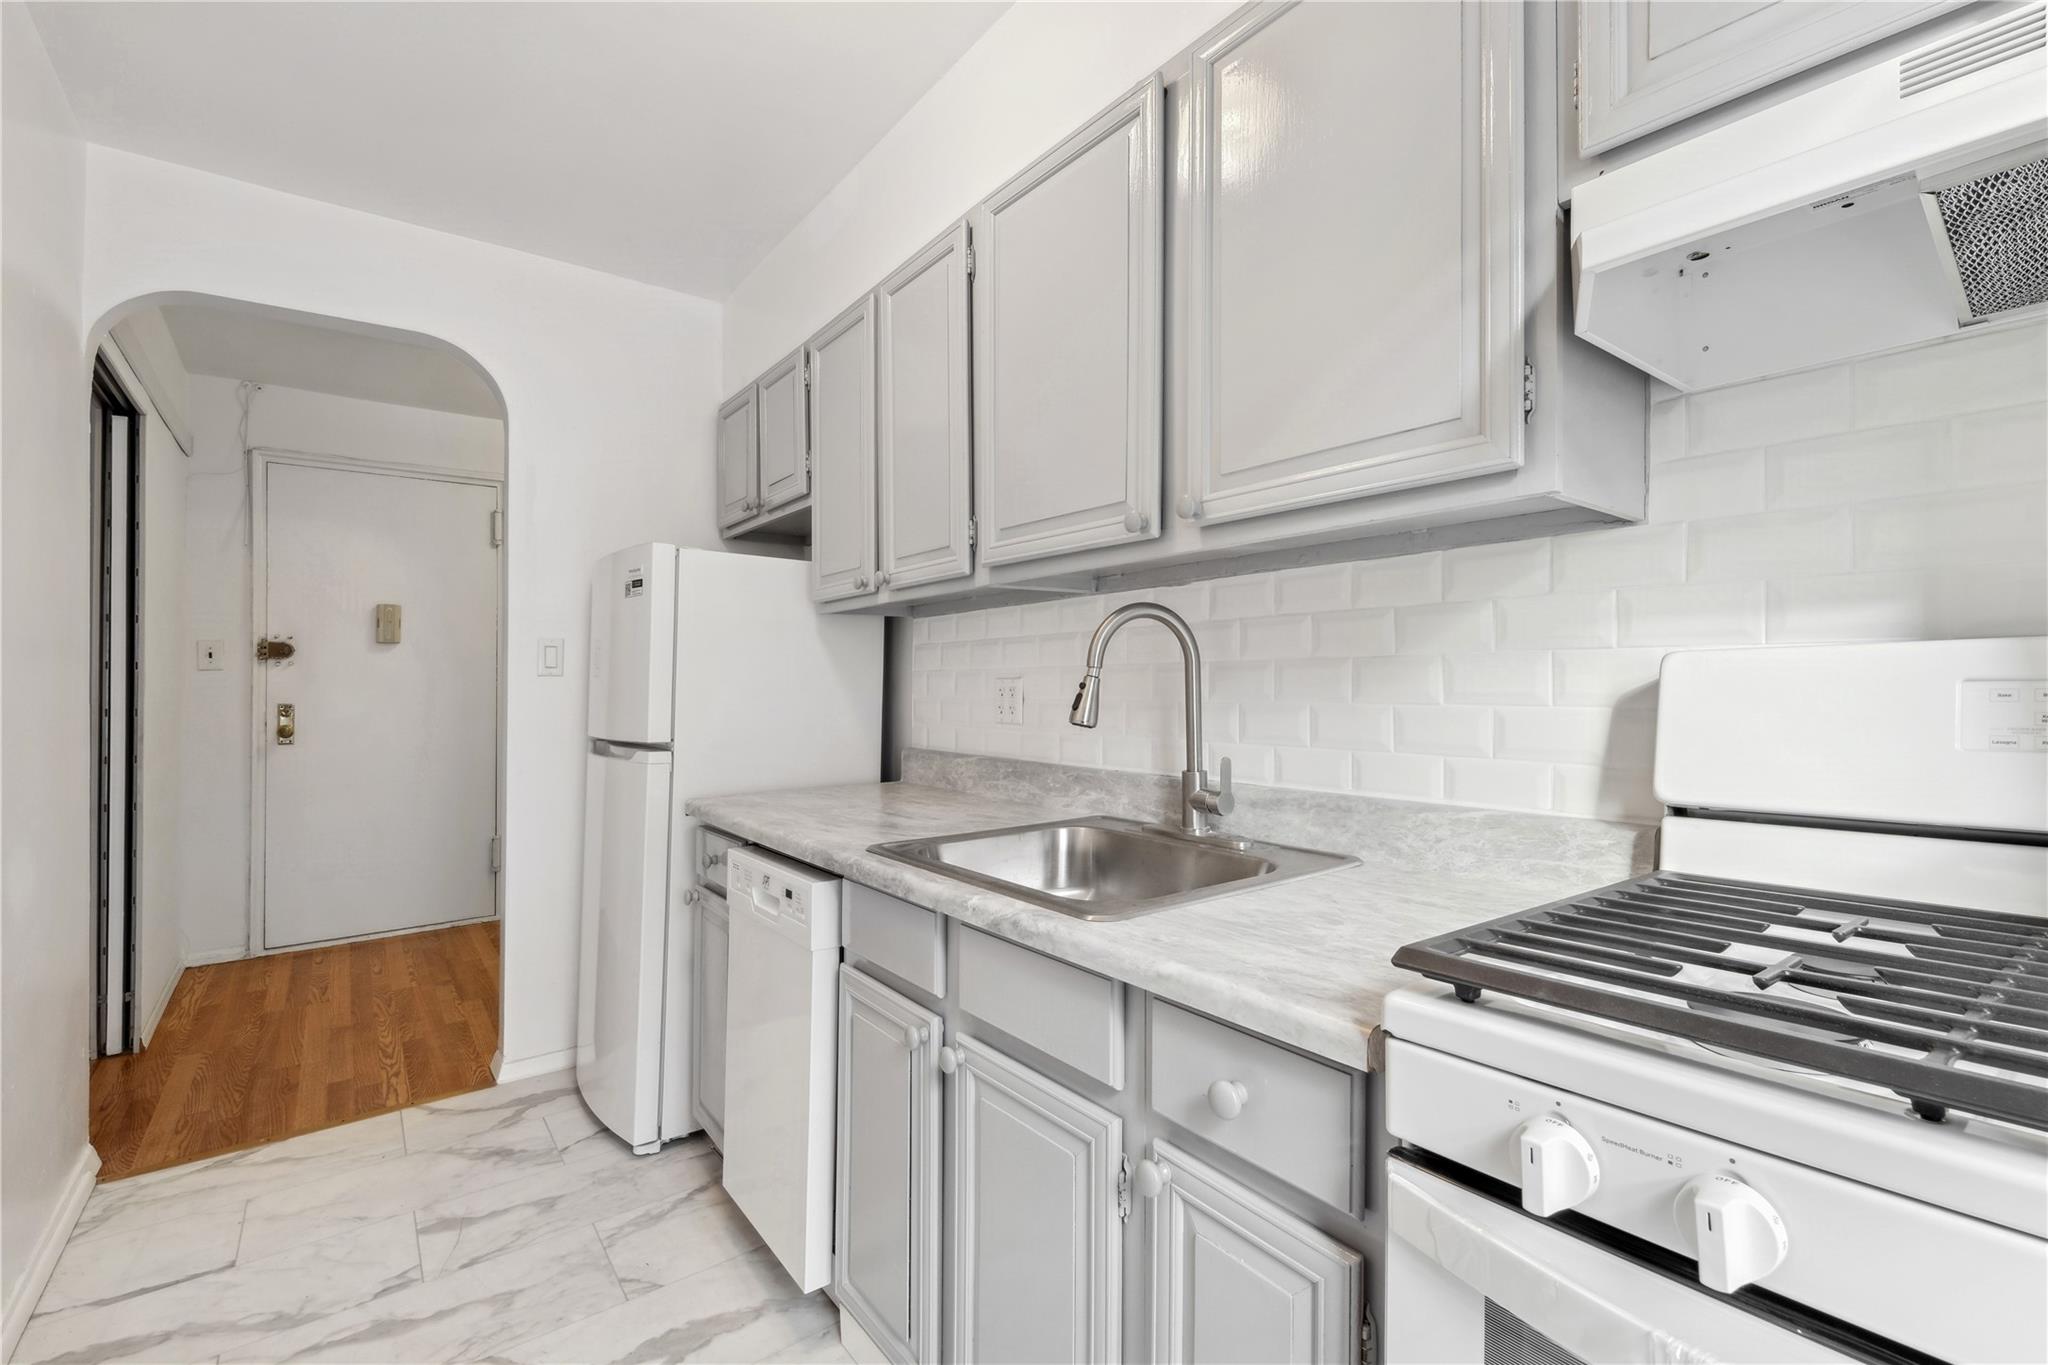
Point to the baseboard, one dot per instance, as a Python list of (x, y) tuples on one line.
[(208, 958), (42, 1260), (857, 1343), (522, 1068), (147, 1030)]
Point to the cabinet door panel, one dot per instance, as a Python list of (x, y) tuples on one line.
[(707, 1036), (886, 1241), (1355, 227), (738, 455), (1068, 338), (1035, 1258), (1647, 63), (1236, 1277), (923, 451), (784, 474), (842, 365)]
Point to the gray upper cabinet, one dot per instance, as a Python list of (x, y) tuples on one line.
[(924, 450), (737, 458), (886, 1235), (1035, 1239), (713, 937), (1068, 341), (785, 473), (1235, 1277), (1647, 63), (842, 372), (1356, 225)]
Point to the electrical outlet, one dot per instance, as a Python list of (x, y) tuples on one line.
[(1009, 701), (210, 653)]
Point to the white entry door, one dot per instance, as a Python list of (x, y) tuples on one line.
[(380, 804)]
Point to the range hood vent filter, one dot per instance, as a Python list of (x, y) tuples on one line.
[(1997, 229)]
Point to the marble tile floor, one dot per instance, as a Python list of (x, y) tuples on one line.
[(500, 1225)]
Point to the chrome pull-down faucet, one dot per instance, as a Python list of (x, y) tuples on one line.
[(1198, 800)]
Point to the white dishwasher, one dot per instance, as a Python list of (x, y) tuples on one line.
[(781, 1046)]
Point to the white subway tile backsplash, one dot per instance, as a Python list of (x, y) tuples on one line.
[(1519, 568), (1414, 777), (1443, 730), (1409, 678), (1788, 408), (1446, 628), (1565, 620), (1899, 498), (1398, 582), (1771, 545), (1693, 615), (1509, 678)]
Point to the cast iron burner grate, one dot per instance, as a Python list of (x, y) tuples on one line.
[(1948, 1007)]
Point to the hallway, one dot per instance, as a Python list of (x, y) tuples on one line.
[(265, 1048)]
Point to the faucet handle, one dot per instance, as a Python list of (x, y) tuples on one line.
[(1226, 799)]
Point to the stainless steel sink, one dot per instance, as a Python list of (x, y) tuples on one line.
[(1101, 867)]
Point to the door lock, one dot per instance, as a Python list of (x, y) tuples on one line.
[(275, 649), (287, 722)]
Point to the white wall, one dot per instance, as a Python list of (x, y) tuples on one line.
[(1898, 498), (45, 800), (609, 388), (216, 722), (1039, 73)]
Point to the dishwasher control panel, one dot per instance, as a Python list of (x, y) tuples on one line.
[(803, 902)]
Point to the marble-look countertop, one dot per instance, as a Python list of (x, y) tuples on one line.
[(1307, 962)]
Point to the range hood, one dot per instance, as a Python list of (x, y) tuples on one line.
[(1897, 204)]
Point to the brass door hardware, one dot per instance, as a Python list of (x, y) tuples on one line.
[(287, 722), (275, 649)]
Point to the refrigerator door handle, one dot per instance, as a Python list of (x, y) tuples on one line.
[(604, 748)]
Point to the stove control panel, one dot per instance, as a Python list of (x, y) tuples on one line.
[(2011, 717), (1745, 1216)]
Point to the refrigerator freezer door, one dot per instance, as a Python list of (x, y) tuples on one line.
[(633, 646), (625, 940)]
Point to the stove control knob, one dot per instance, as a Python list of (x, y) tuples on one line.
[(1559, 1170), (1736, 1234)]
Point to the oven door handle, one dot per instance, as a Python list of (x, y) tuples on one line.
[(1593, 1301)]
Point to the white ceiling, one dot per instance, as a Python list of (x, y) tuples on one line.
[(236, 343), (670, 143)]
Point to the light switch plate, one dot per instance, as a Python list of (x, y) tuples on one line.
[(551, 652), (211, 656), (1009, 701)]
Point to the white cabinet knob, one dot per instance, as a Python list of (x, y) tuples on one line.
[(1189, 507), (690, 896), (915, 1036), (1736, 1234), (1227, 1098), (1136, 521), (1152, 1177), (1559, 1170), (949, 1060)]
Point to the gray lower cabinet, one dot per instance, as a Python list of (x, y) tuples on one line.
[(1068, 340), (841, 361), (1353, 325), (1034, 1234), (1234, 1277), (885, 1249), (737, 456), (712, 938), (923, 450)]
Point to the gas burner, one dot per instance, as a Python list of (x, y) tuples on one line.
[(1947, 1007)]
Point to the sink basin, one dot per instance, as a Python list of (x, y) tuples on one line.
[(1101, 867)]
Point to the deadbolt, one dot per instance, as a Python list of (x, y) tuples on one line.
[(274, 649), (287, 722)]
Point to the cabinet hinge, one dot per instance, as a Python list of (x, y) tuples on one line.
[(1123, 1187), (497, 854), (497, 528), (807, 374), (970, 260), (1575, 85), (970, 532), (1528, 388)]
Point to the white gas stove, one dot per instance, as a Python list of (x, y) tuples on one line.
[(1786, 1098)]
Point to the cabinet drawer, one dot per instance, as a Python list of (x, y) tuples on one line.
[(712, 846), (1293, 1117), (905, 940), (1064, 1012)]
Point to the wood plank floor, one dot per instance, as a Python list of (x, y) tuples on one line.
[(269, 1047)]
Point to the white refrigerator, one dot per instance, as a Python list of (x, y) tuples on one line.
[(709, 673)]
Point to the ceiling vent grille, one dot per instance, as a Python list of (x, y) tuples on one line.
[(2000, 40), (1997, 229)]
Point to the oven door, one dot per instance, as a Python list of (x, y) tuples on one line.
[(1470, 1279)]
